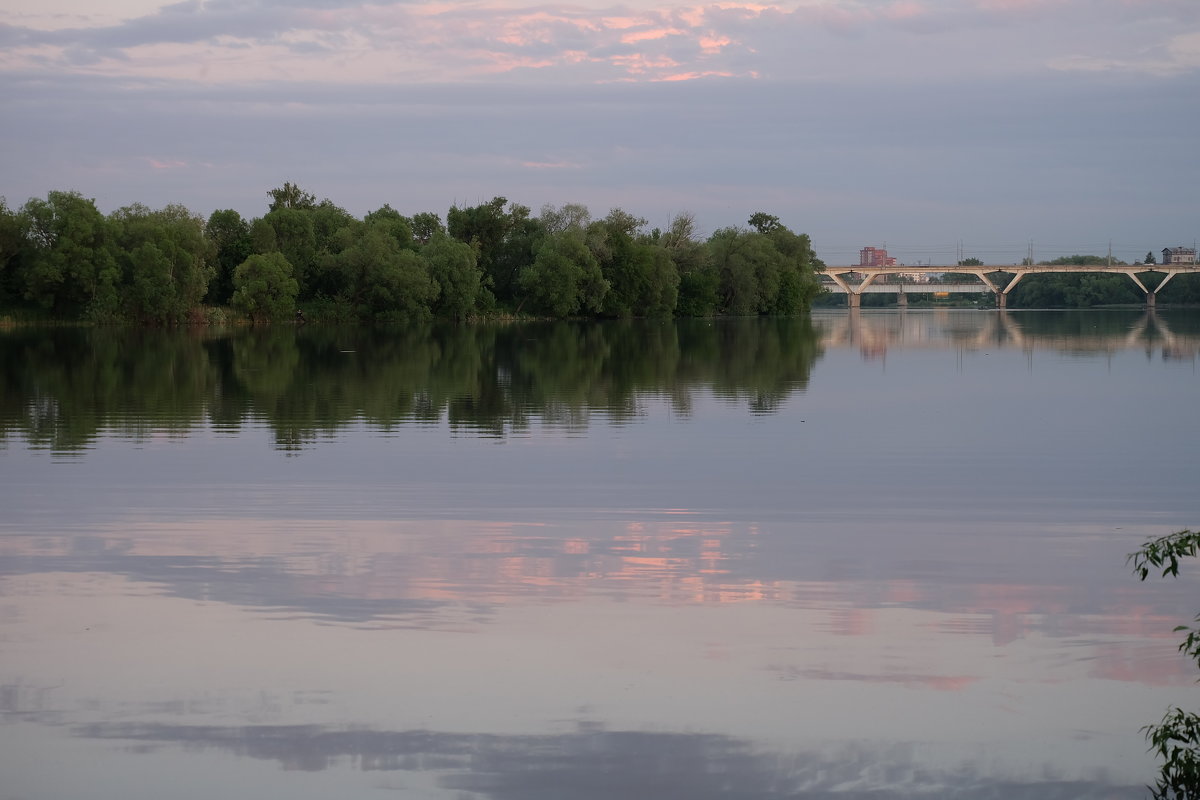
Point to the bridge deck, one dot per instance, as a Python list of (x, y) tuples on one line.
[(999, 279)]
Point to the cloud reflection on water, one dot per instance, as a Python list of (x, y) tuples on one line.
[(592, 763)]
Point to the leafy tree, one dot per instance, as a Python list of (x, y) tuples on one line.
[(764, 223), (735, 273), (167, 260), (291, 196), (391, 220), (1079, 290), (405, 291), (698, 281), (295, 237), (425, 225), (327, 220), (763, 271), (565, 278), (452, 264), (73, 271), (517, 252), (486, 227), (1182, 289), (698, 293), (13, 251), (262, 237), (798, 284), (264, 288), (230, 235), (659, 279), (1149, 259), (1176, 737), (385, 281), (1082, 261), (970, 262), (569, 217), (621, 260)]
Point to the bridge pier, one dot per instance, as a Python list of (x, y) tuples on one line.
[(902, 299), (1150, 299), (1001, 299), (854, 300)]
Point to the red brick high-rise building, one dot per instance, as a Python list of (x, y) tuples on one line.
[(875, 257)]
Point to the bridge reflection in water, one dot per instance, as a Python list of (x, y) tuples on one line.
[(1172, 336)]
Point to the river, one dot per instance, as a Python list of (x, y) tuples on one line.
[(856, 554)]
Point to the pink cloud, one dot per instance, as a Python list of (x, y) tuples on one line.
[(711, 45), (640, 63), (658, 33), (621, 23), (161, 164), (692, 76), (904, 10)]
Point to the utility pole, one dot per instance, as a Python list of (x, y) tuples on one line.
[(1110, 252)]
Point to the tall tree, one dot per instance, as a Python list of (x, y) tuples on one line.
[(396, 224), (385, 281), (486, 227), (230, 235), (264, 289), (291, 196), (452, 264), (13, 250), (167, 261), (73, 271), (564, 278)]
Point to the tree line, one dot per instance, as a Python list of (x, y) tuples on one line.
[(61, 257)]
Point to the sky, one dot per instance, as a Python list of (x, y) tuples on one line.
[(931, 127)]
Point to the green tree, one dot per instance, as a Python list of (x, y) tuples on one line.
[(73, 271), (230, 235), (612, 242), (264, 289), (1176, 737), (970, 262), (452, 264), (764, 223), (564, 278), (295, 237), (167, 261), (396, 224), (748, 271), (698, 281), (1082, 261), (13, 251), (291, 196), (424, 225), (487, 228), (384, 281), (798, 283), (1149, 259)]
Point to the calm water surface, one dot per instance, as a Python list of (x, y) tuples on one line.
[(872, 555)]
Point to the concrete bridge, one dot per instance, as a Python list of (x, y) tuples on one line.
[(854, 281)]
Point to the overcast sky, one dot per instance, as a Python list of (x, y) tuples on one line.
[(912, 123)]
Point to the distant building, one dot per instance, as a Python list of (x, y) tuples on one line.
[(875, 257), (1179, 255)]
